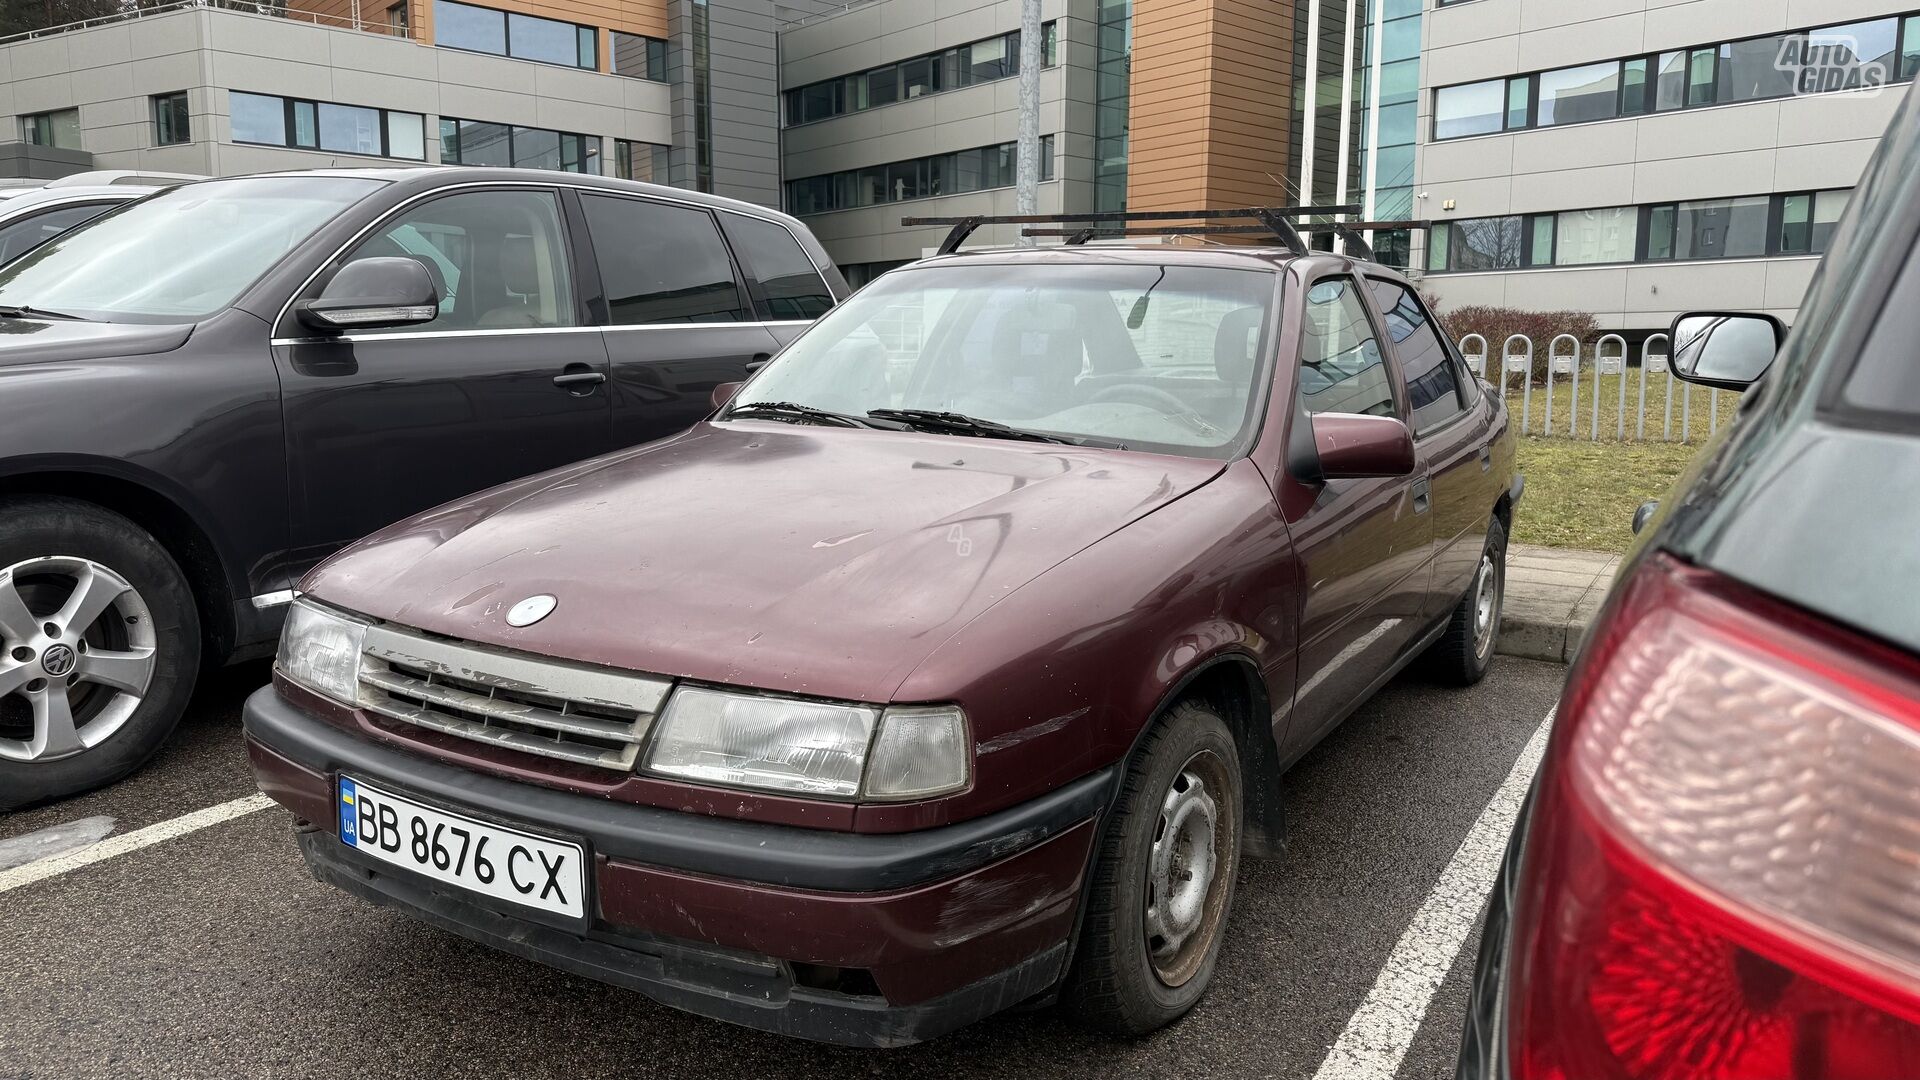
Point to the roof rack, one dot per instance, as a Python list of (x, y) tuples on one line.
[(1275, 221)]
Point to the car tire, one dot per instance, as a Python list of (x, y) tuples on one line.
[(1150, 937), (1465, 650), (123, 670)]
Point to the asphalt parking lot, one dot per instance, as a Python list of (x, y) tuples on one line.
[(214, 954)]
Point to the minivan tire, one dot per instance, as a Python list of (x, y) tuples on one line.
[(1464, 653), (1119, 982), (41, 527)]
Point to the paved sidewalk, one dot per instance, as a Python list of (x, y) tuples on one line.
[(1552, 596)]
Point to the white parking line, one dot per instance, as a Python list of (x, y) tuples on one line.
[(1378, 1034), (133, 841)]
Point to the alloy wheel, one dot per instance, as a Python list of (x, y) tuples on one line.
[(77, 646)]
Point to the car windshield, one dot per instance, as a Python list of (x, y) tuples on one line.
[(180, 255), (1141, 356)]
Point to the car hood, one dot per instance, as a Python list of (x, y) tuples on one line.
[(36, 341), (809, 560)]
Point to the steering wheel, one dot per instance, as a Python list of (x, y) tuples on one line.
[(1154, 397)]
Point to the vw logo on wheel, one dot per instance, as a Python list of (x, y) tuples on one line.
[(58, 661), (531, 610)]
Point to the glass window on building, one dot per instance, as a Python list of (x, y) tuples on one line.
[(1520, 102), (171, 122), (472, 142), (638, 56), (919, 178), (1475, 109), (1703, 79), (350, 129), (322, 125), (1487, 244), (1585, 237), (1634, 87), (1439, 247), (1577, 95), (524, 37), (60, 128), (257, 118), (1400, 82), (1828, 208), (1671, 87), (1721, 228), (789, 283), (400, 19), (1910, 48), (662, 263), (1751, 70), (645, 162), (1871, 42)]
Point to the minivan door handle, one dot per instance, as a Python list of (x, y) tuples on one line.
[(579, 379), (759, 361), (1422, 495)]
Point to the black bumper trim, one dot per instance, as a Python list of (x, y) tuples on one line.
[(749, 851), (750, 991)]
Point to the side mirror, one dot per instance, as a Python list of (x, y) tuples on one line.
[(1644, 515), (1354, 447), (367, 294), (1724, 349), (724, 393)]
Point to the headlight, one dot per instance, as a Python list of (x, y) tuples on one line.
[(809, 747), (320, 650)]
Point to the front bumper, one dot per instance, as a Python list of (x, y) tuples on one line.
[(871, 940)]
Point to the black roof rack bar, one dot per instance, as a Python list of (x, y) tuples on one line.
[(1276, 218), (1350, 230)]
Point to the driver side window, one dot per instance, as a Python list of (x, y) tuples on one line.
[(498, 257), (1342, 368)]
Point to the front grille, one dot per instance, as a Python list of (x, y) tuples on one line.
[(527, 703)]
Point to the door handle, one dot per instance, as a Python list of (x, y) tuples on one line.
[(579, 380), (759, 361), (1422, 495), (1486, 458)]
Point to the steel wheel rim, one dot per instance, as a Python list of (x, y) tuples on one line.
[(77, 649), (1189, 869), (1486, 605)]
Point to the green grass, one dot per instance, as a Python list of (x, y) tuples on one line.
[(1689, 425), (1583, 494)]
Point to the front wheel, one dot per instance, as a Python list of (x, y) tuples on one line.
[(1163, 880), (99, 647)]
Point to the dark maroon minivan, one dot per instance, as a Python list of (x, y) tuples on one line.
[(953, 664)]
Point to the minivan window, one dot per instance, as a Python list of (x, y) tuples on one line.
[(661, 263), (499, 258), (1433, 383), (788, 279), (180, 255)]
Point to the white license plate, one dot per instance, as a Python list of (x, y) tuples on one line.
[(504, 864)]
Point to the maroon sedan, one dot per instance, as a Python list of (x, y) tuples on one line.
[(954, 664)]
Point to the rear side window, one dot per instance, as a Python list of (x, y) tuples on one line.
[(19, 237), (1342, 369), (789, 281), (661, 263), (1433, 383)]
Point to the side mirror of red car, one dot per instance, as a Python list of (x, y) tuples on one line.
[(1354, 447), (724, 393)]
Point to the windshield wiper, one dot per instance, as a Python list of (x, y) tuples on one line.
[(28, 311), (794, 411), (962, 424)]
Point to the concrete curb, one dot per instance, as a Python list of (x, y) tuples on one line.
[(1552, 597)]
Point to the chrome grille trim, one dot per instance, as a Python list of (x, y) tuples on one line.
[(515, 700)]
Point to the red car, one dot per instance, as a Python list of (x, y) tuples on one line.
[(954, 663)]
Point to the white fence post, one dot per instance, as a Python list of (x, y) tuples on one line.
[(1556, 362), (1476, 358), (1647, 363), (1610, 365), (1522, 362)]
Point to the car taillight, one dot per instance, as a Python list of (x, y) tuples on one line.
[(1721, 878)]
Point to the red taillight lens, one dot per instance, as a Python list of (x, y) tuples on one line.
[(1722, 873)]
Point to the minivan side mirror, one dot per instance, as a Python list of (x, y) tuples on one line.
[(367, 294), (1725, 349), (1354, 447)]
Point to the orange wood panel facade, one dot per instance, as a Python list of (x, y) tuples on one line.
[(1211, 104)]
